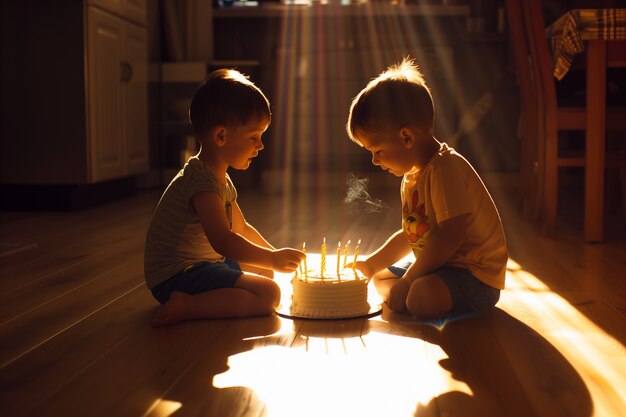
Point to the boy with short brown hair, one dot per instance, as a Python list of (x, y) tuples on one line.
[(202, 258), (449, 220)]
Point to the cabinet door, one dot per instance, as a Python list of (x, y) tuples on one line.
[(134, 10), (135, 91), (104, 95)]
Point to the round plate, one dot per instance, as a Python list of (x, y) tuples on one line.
[(283, 311)]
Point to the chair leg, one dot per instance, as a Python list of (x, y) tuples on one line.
[(595, 141), (622, 175), (550, 186), (528, 190)]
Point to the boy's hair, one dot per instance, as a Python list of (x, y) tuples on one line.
[(226, 97), (397, 98)]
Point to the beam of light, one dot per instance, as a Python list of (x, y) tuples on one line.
[(597, 356), (321, 56), (164, 408)]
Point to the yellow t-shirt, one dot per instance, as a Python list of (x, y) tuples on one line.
[(175, 238), (446, 187)]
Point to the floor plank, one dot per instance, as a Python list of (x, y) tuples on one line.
[(64, 358), (73, 240), (56, 316), (50, 286)]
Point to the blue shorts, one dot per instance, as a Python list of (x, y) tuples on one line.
[(198, 278), (470, 296)]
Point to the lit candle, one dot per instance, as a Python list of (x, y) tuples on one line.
[(306, 273), (323, 266), (338, 261), (345, 254), (356, 253)]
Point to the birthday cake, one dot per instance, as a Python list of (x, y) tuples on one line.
[(342, 294)]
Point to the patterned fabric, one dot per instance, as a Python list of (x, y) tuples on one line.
[(568, 33)]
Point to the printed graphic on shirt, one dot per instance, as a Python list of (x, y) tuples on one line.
[(414, 222)]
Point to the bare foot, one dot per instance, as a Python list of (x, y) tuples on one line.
[(173, 311)]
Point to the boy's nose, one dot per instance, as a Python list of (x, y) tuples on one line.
[(375, 160), (260, 146)]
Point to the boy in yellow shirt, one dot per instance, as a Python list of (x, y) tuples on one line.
[(449, 220)]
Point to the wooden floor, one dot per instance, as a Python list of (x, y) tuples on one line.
[(75, 338)]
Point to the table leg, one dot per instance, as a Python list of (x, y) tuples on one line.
[(595, 140)]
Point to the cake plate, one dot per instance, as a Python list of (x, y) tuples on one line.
[(283, 311)]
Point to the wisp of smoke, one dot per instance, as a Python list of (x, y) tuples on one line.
[(358, 199)]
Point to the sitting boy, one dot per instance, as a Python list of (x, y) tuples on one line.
[(449, 220), (202, 258)]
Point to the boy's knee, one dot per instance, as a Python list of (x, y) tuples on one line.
[(268, 299), (377, 279), (424, 307), (384, 279), (273, 294), (429, 297)]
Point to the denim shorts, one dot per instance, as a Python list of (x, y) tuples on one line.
[(198, 278), (470, 296)]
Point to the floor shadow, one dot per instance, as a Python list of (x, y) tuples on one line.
[(196, 394), (509, 367)]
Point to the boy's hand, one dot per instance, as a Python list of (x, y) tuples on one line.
[(286, 259), (397, 296), (363, 267)]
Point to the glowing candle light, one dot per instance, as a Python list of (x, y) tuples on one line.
[(323, 266), (356, 253), (338, 260), (306, 273), (345, 254)]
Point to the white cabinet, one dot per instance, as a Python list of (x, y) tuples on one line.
[(74, 92), (117, 96)]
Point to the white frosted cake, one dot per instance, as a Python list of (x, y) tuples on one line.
[(331, 296)]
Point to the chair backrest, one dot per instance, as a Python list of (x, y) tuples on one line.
[(540, 56), (532, 118), (521, 54)]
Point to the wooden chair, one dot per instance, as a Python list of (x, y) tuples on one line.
[(530, 181), (544, 118)]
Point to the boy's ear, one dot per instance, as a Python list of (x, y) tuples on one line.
[(407, 136), (219, 135)]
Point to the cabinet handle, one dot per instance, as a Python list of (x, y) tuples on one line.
[(126, 71), (123, 71), (130, 72)]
